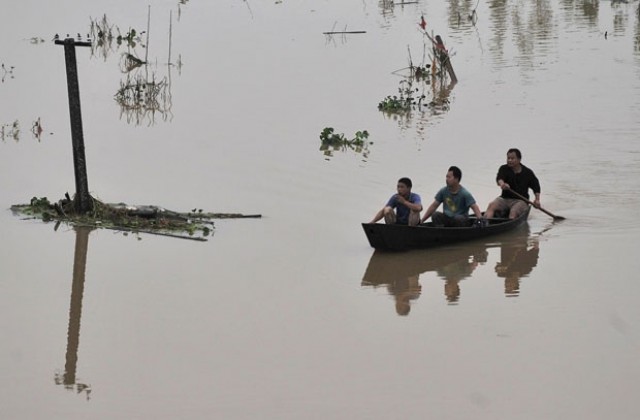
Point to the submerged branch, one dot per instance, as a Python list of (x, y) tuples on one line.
[(344, 32)]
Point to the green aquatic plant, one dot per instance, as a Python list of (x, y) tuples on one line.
[(334, 141), (394, 104), (408, 99), (103, 34), (329, 138), (131, 38)]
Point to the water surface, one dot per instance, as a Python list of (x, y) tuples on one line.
[(294, 315)]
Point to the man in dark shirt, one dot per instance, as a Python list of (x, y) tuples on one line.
[(517, 177)]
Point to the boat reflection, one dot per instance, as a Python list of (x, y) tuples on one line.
[(68, 377), (517, 260), (400, 272), (452, 273)]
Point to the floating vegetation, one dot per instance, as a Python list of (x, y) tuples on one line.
[(404, 109), (142, 98), (418, 80), (6, 71), (142, 95), (408, 99), (130, 62), (441, 94), (10, 131), (105, 34), (387, 6), (332, 142), (195, 225), (36, 129), (420, 72), (102, 32), (131, 38)]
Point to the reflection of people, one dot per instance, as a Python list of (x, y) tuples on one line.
[(407, 206), (517, 177), (457, 201), (399, 273), (516, 261), (404, 291), (459, 270)]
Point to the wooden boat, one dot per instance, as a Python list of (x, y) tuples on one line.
[(400, 237), (402, 273)]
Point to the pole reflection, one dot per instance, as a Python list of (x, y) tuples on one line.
[(68, 378), (400, 272)]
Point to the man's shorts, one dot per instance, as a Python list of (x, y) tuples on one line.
[(504, 207)]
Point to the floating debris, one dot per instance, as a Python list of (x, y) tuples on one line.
[(122, 217)]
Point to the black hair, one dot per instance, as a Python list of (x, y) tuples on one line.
[(516, 151), (457, 173), (406, 181)]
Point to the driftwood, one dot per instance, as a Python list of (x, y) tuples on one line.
[(401, 3), (149, 211), (344, 32), (170, 235), (443, 55)]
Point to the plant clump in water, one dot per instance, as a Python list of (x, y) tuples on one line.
[(334, 141), (122, 217), (140, 97), (407, 99)]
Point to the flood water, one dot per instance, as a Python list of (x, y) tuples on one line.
[(294, 315)]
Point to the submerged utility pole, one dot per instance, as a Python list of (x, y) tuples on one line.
[(83, 202)]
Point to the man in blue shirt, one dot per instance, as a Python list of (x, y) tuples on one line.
[(407, 206), (457, 201)]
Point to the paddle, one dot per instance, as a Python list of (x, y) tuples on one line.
[(539, 208)]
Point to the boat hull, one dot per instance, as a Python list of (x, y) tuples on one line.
[(401, 237)]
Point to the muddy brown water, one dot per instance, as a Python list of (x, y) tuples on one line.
[(294, 315)]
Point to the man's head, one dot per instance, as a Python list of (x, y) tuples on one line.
[(513, 157), (454, 175), (404, 186)]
